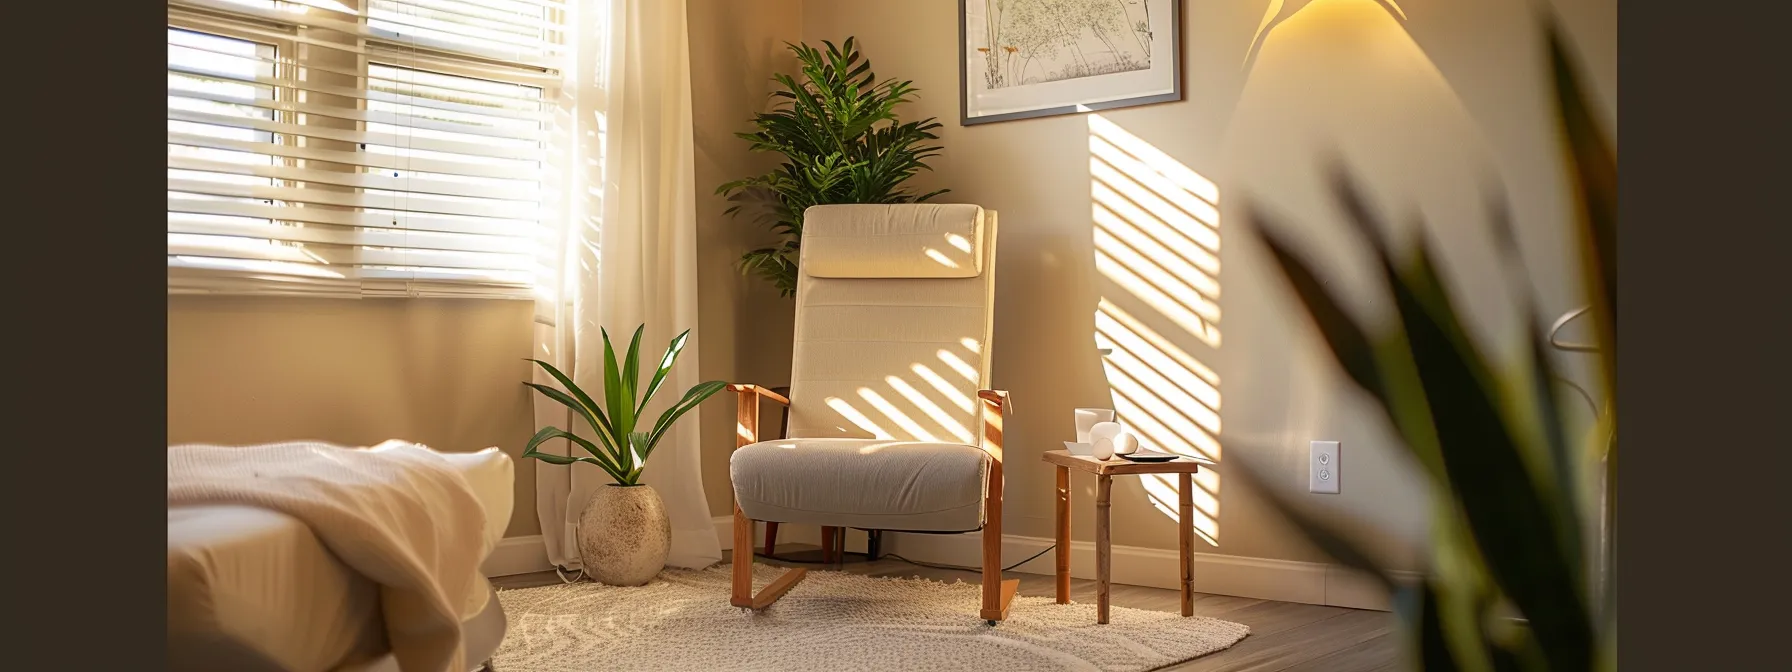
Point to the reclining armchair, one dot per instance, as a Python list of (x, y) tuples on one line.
[(891, 424)]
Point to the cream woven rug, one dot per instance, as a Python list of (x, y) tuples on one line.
[(832, 621)]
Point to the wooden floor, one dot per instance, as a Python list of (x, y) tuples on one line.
[(1285, 636)]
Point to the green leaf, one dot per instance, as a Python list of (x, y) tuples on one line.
[(550, 433), (1348, 342), (1593, 169), (1381, 367), (613, 390), (590, 410), (631, 376), (594, 420), (666, 362), (641, 446), (1417, 605), (1332, 544), (1507, 514), (692, 398)]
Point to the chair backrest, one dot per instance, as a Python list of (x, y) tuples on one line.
[(893, 322)]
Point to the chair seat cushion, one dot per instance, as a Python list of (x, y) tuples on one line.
[(875, 484)]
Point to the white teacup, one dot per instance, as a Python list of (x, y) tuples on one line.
[(1086, 419)]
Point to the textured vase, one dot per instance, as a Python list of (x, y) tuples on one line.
[(624, 535)]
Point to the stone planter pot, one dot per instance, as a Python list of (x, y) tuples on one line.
[(624, 535)]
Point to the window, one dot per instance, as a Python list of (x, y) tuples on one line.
[(360, 147)]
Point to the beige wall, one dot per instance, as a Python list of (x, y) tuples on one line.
[(444, 373), (1423, 109), (735, 48)]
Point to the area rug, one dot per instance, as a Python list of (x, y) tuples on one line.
[(832, 621)]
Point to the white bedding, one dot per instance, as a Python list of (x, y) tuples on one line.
[(257, 585)]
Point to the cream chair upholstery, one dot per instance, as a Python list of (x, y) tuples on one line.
[(892, 424)]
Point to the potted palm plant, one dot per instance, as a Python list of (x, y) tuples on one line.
[(624, 534), (842, 143)]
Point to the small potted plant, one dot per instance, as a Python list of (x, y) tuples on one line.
[(624, 534)]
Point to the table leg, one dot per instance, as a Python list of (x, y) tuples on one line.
[(1063, 574), (1103, 554), (1186, 532)]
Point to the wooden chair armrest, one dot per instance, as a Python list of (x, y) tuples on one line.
[(998, 397), (746, 414), (746, 389), (995, 405)]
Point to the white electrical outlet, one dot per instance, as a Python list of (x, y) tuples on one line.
[(1322, 467)]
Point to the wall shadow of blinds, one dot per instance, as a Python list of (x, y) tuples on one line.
[(361, 147)]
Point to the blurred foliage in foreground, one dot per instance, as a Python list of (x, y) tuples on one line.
[(1511, 498)]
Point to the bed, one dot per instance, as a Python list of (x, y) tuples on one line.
[(253, 590)]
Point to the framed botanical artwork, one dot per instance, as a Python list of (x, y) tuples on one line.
[(1033, 58)]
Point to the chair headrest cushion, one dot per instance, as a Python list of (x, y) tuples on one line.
[(910, 240)]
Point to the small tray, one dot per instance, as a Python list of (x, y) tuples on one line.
[(1150, 456)]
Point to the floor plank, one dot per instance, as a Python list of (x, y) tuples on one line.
[(1379, 654), (1285, 636), (1278, 651)]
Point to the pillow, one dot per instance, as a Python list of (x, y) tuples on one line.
[(910, 240), (492, 477)]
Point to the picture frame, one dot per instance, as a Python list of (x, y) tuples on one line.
[(1022, 59)]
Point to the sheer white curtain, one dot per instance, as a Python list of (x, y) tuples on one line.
[(631, 257)]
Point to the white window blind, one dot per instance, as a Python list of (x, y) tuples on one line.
[(361, 147)]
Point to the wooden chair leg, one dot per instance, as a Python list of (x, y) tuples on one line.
[(827, 543), (998, 595), (743, 570), (771, 536), (742, 595)]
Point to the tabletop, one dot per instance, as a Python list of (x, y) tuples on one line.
[(1120, 466)]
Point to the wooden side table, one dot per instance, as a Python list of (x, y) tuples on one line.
[(1184, 468)]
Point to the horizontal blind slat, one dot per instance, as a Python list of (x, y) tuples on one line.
[(290, 63), (352, 114), (517, 73), (396, 202), (473, 11), (333, 235), (359, 180), (541, 59), (367, 159), (335, 257), (396, 140), (364, 94), (371, 220)]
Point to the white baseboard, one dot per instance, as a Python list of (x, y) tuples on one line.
[(517, 555), (1261, 578)]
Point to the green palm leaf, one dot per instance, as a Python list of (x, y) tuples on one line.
[(666, 362), (587, 407), (694, 396), (597, 458)]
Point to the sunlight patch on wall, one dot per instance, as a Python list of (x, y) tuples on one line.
[(1156, 237)]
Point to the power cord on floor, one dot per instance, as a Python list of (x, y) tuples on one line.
[(1048, 549), (580, 576)]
